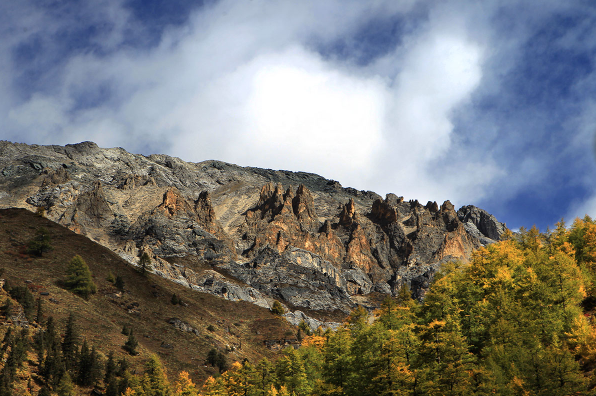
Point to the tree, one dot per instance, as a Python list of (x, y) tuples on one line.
[(221, 362), (40, 243), (39, 315), (277, 308), (212, 357), (119, 283), (65, 387), (175, 300), (25, 298), (184, 386), (79, 279), (144, 263), (70, 343), (155, 382), (131, 344), (110, 368), (291, 372), (111, 278)]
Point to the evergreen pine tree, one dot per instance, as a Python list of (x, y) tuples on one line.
[(84, 365), (144, 263), (212, 357), (40, 243), (70, 343), (155, 380), (184, 386), (65, 387), (44, 391), (119, 283), (112, 386), (111, 368), (131, 344), (221, 362), (39, 314), (79, 279)]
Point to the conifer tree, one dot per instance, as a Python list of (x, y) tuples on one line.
[(290, 372), (119, 283), (184, 386), (84, 365), (131, 344), (39, 314), (212, 357), (40, 243), (155, 382), (70, 343), (144, 263), (65, 387), (79, 279), (214, 387), (337, 359), (264, 376), (221, 362), (110, 368), (96, 367)]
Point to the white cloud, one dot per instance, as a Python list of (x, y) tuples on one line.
[(242, 82), (239, 83)]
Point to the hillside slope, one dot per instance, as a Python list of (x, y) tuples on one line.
[(240, 330)]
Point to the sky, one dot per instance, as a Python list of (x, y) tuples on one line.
[(490, 103)]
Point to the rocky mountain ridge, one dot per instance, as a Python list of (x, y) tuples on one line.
[(244, 233)]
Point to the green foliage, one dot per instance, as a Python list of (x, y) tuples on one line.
[(155, 382), (66, 387), (175, 300), (111, 278), (70, 343), (25, 298), (131, 344), (212, 357), (79, 279), (119, 283), (40, 243), (277, 308), (39, 313), (509, 322)]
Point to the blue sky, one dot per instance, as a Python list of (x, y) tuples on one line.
[(484, 103)]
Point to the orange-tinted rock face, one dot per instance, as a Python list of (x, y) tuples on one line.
[(300, 237), (173, 203)]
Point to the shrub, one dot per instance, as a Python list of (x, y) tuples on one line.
[(277, 308), (111, 278)]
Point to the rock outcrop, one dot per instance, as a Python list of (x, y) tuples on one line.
[(245, 233)]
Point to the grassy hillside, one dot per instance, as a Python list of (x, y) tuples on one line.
[(237, 329)]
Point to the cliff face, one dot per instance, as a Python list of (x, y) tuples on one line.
[(255, 234)]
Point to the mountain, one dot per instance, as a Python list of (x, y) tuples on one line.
[(243, 233)]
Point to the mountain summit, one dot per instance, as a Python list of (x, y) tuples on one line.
[(245, 233)]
